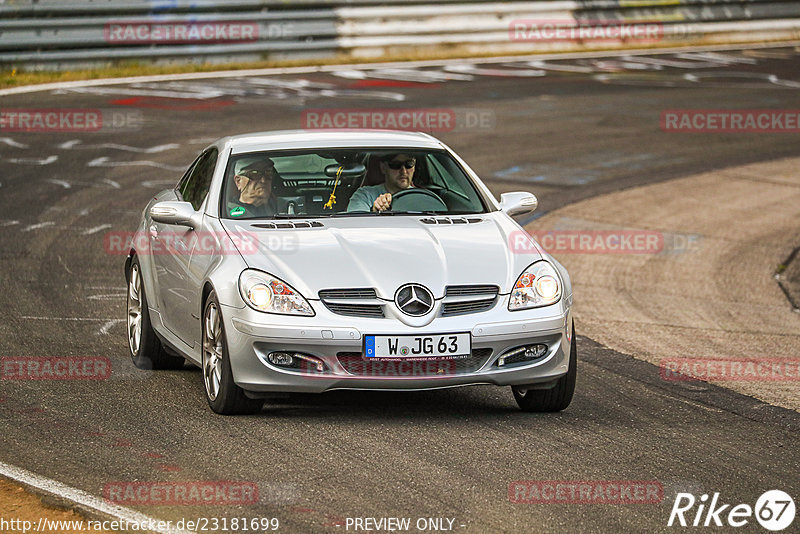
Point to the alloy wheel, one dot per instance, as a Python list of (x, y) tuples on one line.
[(212, 351)]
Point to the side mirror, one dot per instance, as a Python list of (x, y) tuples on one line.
[(174, 212), (518, 203)]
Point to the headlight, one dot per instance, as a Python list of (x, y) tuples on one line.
[(538, 285), (266, 293)]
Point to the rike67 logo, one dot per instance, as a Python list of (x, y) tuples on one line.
[(774, 510)]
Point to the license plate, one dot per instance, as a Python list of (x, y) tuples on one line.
[(436, 346)]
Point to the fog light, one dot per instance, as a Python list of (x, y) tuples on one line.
[(281, 359), (296, 361), (535, 351), (521, 354)]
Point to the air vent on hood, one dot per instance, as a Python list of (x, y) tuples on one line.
[(450, 220), (289, 225)]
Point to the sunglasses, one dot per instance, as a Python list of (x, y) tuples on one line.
[(395, 165), (255, 174)]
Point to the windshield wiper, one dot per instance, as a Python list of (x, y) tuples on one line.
[(364, 213)]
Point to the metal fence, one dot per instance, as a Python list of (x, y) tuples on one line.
[(55, 34)]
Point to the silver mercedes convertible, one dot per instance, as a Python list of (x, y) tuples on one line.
[(297, 261)]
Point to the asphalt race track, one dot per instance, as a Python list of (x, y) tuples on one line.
[(567, 130)]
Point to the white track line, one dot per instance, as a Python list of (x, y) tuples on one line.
[(106, 327), (38, 226), (370, 66), (96, 229), (85, 500)]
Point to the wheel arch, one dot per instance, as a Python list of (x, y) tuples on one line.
[(207, 289)]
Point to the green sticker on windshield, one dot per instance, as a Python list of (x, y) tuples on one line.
[(237, 211)]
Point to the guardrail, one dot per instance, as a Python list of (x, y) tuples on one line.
[(53, 34)]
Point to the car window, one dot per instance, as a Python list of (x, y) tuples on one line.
[(341, 182), (195, 187), (443, 167), (185, 177)]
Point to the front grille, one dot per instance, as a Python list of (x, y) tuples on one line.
[(463, 308), (356, 293), (458, 300), (354, 302), (461, 291), (355, 310), (355, 364)]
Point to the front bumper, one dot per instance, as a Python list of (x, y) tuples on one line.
[(251, 336)]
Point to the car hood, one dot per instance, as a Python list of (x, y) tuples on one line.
[(384, 252)]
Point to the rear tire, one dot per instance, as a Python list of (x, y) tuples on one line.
[(223, 395), (557, 398), (146, 349)]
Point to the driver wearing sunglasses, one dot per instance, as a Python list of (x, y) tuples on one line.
[(398, 174), (253, 178)]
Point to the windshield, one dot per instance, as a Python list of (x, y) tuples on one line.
[(343, 183)]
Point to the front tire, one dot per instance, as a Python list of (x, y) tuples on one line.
[(146, 349), (223, 395), (557, 398)]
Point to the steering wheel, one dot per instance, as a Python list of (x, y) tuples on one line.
[(417, 199)]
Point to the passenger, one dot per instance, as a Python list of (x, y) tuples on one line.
[(253, 178), (398, 173)]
